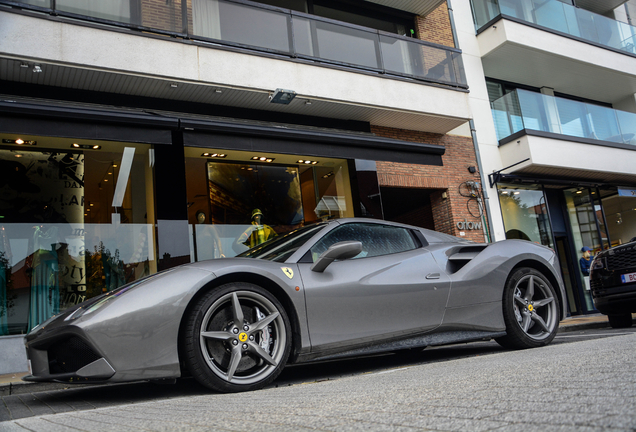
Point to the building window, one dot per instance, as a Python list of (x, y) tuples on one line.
[(74, 223), (237, 203), (525, 213)]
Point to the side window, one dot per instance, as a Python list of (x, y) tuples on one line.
[(376, 239)]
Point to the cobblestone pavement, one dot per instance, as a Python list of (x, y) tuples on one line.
[(587, 385)]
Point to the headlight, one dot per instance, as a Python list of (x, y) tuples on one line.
[(598, 263)]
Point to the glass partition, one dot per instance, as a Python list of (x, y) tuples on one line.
[(74, 223), (559, 16), (522, 109), (280, 31)]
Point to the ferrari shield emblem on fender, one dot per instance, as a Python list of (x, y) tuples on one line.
[(288, 272)]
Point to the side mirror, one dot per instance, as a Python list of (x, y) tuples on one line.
[(342, 250)]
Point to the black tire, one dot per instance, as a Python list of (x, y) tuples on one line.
[(226, 355), (620, 321), (530, 310)]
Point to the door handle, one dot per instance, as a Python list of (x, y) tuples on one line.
[(433, 276)]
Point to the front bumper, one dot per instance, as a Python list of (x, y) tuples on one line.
[(66, 355)]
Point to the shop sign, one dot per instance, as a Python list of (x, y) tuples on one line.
[(465, 225), (627, 192)]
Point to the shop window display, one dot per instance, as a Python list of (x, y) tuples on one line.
[(74, 224), (234, 206)]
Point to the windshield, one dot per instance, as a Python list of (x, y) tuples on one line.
[(282, 247)]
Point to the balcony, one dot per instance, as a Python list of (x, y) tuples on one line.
[(565, 138), (562, 18), (235, 53), (550, 43)]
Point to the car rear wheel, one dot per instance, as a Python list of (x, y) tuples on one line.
[(620, 321), (530, 310), (237, 338)]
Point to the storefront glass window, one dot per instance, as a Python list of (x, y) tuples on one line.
[(525, 214), (620, 211), (582, 212), (236, 202), (74, 223)]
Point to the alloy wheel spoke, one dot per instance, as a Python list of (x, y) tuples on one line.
[(520, 300), (234, 362), (260, 352), (530, 289), (539, 303), (537, 319), (218, 335), (237, 312), (527, 320), (260, 325)]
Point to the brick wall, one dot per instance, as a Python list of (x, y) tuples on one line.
[(459, 155), (162, 14), (435, 27)]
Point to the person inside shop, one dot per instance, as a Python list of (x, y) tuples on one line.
[(256, 234), (585, 260)]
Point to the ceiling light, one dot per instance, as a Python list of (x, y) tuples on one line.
[(19, 141), (18, 155), (86, 146), (262, 159), (281, 96), (214, 155), (307, 162)]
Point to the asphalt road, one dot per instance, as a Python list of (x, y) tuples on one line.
[(584, 381)]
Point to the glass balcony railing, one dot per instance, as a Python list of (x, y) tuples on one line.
[(523, 109), (561, 17), (278, 31)]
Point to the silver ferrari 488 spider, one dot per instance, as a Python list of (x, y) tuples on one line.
[(348, 287)]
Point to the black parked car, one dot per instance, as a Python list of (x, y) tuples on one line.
[(613, 283)]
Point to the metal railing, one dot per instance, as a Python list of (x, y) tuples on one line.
[(563, 18), (522, 109), (248, 25)]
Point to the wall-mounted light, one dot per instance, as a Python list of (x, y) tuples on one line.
[(329, 174), (19, 141), (307, 102), (24, 65), (174, 85), (37, 69), (262, 159), (214, 155), (218, 91), (306, 162), (86, 146), (282, 96)]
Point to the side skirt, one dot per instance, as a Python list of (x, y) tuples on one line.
[(435, 339)]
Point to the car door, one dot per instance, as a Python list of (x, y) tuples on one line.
[(392, 288)]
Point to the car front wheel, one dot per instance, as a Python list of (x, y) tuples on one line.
[(237, 338), (530, 310), (620, 321)]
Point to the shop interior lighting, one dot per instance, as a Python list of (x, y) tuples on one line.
[(281, 96), (307, 162), (329, 174), (19, 141), (214, 155), (86, 146), (263, 159)]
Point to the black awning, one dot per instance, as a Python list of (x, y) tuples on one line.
[(321, 142)]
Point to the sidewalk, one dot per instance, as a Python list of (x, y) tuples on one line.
[(13, 384)]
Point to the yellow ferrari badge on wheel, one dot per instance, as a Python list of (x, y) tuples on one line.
[(288, 272)]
